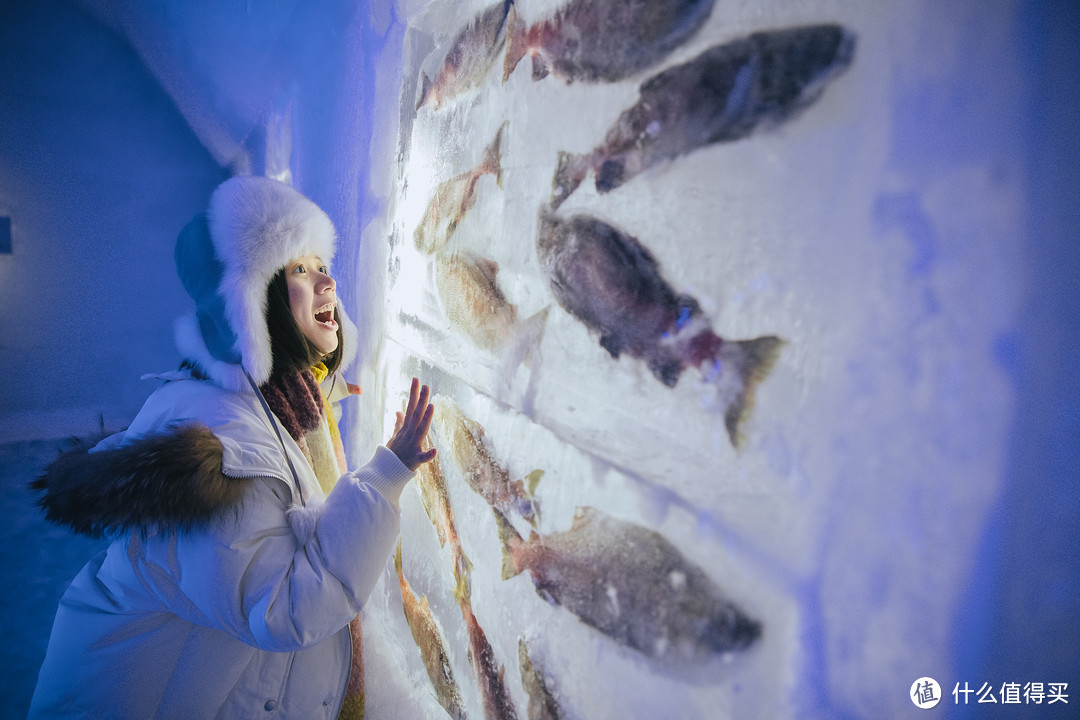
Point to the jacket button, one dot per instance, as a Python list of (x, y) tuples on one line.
[(270, 705)]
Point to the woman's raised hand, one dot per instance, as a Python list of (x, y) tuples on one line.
[(411, 428)]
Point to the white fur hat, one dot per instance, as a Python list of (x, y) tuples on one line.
[(257, 226)]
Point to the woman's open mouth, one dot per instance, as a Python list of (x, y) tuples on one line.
[(325, 316)]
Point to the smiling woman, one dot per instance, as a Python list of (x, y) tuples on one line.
[(313, 300), (242, 547)]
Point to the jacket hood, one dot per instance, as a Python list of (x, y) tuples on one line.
[(168, 480)]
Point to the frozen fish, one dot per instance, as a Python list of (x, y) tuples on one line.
[(471, 56), (464, 440), (634, 586), (489, 673), (429, 639), (610, 282), (603, 40), (436, 501), (454, 198), (542, 702), (723, 94), (472, 299)]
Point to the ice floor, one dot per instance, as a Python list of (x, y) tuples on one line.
[(37, 561)]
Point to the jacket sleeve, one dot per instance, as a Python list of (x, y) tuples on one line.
[(251, 575)]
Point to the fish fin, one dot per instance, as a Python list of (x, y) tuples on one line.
[(462, 577), (516, 42), (532, 480), (397, 557), (426, 89), (758, 357), (610, 175), (569, 174), (666, 369), (510, 539), (492, 162), (612, 345), (540, 69), (462, 585), (583, 516)]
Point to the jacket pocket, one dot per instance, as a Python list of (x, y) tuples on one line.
[(272, 704)]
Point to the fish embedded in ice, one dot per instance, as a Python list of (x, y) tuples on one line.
[(634, 586), (723, 94), (435, 498), (609, 281), (454, 198), (472, 300), (542, 702), (489, 673), (603, 40), (463, 439), (429, 639), (471, 56), (474, 303)]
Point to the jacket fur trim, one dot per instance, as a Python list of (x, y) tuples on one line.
[(170, 480)]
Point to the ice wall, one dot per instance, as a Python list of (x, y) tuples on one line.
[(880, 233)]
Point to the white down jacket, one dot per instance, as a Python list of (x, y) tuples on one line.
[(227, 590)]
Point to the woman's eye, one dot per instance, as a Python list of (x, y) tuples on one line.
[(299, 269), (324, 270)]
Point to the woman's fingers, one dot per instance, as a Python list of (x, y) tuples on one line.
[(417, 406), (425, 420), (412, 426), (414, 391)]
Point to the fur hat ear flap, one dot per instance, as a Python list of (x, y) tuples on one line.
[(259, 225)]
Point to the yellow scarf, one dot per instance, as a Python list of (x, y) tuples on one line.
[(320, 372), (353, 706)]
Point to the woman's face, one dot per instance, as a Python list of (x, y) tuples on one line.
[(313, 299)]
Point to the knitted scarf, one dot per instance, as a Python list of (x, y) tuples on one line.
[(299, 404)]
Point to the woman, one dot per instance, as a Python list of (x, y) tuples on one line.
[(242, 548)]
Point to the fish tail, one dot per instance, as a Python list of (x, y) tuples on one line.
[(527, 336), (492, 162), (516, 42), (755, 362), (518, 349), (569, 174), (510, 540)]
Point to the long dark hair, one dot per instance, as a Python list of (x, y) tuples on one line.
[(290, 349)]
